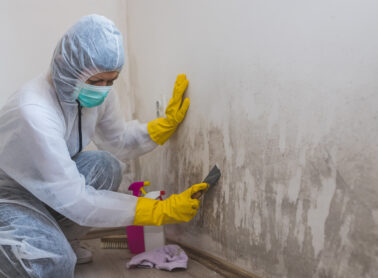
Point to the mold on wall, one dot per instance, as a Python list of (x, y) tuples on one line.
[(283, 100)]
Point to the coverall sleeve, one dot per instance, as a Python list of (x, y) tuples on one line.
[(126, 140), (37, 158)]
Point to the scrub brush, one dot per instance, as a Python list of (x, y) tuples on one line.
[(114, 242)]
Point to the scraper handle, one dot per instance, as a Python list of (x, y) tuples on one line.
[(197, 195)]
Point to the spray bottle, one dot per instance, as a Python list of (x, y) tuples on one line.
[(144, 238), (135, 234)]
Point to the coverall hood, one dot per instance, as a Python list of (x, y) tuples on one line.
[(90, 46)]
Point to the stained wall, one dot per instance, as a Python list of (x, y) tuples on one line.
[(284, 100)]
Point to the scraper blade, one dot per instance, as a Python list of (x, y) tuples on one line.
[(212, 179)]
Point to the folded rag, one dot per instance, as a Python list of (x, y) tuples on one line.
[(167, 257)]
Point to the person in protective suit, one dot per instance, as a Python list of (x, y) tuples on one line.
[(50, 190)]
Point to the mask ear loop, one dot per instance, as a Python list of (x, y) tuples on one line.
[(80, 135)]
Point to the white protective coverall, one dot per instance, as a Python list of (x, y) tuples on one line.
[(39, 136)]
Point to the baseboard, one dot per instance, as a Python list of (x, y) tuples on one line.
[(219, 265)]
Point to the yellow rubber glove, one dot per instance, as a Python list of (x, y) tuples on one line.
[(161, 129), (175, 209)]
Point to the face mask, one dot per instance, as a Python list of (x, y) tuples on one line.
[(91, 96)]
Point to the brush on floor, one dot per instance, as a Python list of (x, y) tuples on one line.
[(114, 242)]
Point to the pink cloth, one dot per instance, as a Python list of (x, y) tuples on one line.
[(167, 257)]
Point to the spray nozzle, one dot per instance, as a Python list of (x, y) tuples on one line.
[(137, 187)]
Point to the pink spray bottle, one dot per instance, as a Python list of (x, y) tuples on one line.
[(135, 234)]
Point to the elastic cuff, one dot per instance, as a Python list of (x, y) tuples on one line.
[(144, 212), (160, 131)]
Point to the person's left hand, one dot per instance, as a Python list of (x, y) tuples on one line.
[(162, 128)]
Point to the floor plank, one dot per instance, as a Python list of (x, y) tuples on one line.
[(111, 263)]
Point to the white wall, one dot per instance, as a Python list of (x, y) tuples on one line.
[(284, 99)]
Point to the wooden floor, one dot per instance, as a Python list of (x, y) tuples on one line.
[(111, 263)]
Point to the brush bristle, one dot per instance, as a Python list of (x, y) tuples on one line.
[(114, 242)]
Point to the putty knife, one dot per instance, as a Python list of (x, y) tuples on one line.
[(212, 179)]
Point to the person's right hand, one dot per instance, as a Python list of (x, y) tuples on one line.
[(177, 208)]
